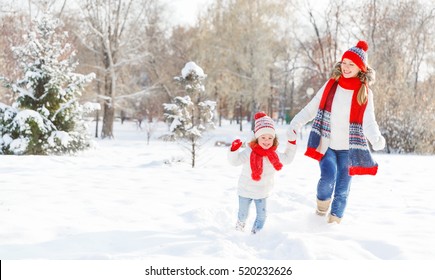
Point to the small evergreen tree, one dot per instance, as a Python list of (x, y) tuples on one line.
[(189, 119), (46, 117)]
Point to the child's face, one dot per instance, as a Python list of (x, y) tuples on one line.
[(266, 141), (349, 69)]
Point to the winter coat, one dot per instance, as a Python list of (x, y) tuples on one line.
[(249, 188)]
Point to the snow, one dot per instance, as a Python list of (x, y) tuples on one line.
[(91, 106), (128, 200), (62, 136), (22, 117), (192, 67)]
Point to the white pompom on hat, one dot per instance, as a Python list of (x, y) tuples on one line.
[(263, 125)]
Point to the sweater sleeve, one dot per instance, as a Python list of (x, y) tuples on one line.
[(370, 126), (308, 113), (238, 157)]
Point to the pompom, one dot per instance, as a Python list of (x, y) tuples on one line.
[(363, 45), (259, 115)]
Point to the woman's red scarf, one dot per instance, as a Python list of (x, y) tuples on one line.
[(257, 155), (360, 159)]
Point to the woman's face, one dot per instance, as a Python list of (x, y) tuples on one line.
[(266, 141), (349, 69)]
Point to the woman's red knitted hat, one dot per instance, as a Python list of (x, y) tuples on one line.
[(358, 55)]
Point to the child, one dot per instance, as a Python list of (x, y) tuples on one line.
[(344, 119), (260, 162)]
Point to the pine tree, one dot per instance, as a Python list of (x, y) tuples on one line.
[(190, 116), (46, 117)]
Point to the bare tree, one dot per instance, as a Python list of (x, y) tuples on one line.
[(236, 39), (402, 45), (111, 32), (321, 48), (11, 32)]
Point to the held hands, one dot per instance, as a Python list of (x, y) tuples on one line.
[(236, 145), (379, 144), (291, 136)]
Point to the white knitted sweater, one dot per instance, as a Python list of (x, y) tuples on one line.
[(249, 188)]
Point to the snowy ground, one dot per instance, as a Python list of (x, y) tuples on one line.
[(128, 200)]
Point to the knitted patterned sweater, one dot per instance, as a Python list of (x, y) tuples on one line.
[(340, 114)]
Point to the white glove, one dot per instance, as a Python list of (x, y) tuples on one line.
[(291, 135), (379, 144)]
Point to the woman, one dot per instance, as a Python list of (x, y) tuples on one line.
[(344, 118)]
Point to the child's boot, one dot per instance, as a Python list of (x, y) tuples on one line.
[(333, 219), (322, 207)]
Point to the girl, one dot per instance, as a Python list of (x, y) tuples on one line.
[(260, 162), (344, 118)]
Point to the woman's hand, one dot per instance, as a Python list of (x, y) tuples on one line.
[(379, 144), (292, 136)]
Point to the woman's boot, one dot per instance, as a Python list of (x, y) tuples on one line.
[(333, 219), (322, 207)]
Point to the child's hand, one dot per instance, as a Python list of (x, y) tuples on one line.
[(236, 145)]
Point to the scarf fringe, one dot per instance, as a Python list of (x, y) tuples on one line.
[(356, 170)]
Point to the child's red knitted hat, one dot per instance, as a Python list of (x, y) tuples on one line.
[(263, 125)]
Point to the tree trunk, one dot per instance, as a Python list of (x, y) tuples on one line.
[(109, 109), (193, 153), (108, 116)]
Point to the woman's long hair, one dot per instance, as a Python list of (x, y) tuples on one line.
[(367, 78)]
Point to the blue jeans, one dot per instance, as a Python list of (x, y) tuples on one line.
[(335, 179), (260, 205)]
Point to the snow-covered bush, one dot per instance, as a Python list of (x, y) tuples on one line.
[(46, 117), (190, 116), (179, 115)]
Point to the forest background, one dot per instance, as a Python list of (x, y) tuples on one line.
[(270, 55)]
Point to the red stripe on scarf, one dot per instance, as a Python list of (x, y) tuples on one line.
[(356, 170), (327, 89), (357, 110), (256, 160)]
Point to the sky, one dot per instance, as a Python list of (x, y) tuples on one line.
[(186, 11), (183, 12), (140, 205)]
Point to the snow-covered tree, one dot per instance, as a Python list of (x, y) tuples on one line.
[(190, 116), (45, 117)]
